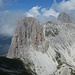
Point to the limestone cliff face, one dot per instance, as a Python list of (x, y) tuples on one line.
[(28, 33), (29, 44), (46, 48)]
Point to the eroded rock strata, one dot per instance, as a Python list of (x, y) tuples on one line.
[(47, 49)]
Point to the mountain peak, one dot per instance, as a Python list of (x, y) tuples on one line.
[(65, 18), (45, 49)]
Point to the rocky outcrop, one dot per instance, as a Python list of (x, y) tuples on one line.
[(65, 70), (65, 18), (44, 49), (28, 33), (30, 46)]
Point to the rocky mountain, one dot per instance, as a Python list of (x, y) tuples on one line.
[(45, 49), (64, 17)]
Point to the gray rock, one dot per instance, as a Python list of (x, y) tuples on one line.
[(44, 48), (65, 18)]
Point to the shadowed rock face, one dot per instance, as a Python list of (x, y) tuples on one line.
[(12, 67), (44, 49)]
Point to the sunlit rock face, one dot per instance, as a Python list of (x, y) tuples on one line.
[(61, 40), (45, 48), (29, 44)]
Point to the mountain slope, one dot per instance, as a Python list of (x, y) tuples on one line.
[(45, 48)]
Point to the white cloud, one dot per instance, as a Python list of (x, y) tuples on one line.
[(33, 12), (7, 30), (66, 5), (8, 21), (42, 14), (50, 12), (46, 14)]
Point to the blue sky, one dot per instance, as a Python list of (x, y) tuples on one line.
[(42, 10), (26, 4)]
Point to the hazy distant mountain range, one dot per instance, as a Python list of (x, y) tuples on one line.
[(5, 42)]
